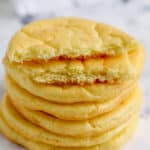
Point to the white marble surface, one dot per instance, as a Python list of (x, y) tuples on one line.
[(132, 16)]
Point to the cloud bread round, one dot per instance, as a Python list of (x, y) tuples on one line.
[(69, 94), (92, 127), (67, 37), (115, 143), (38, 134), (85, 110)]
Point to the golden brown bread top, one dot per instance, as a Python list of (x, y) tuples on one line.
[(69, 38)]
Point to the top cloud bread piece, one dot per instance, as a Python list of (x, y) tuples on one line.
[(69, 38)]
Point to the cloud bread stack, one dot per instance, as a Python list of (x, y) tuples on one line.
[(71, 84)]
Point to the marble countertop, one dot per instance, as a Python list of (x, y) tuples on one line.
[(132, 16)]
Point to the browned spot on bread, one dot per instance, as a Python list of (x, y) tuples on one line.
[(63, 58)]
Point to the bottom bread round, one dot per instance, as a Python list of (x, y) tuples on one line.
[(34, 138), (114, 144)]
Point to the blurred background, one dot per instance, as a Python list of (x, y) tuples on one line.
[(132, 16)]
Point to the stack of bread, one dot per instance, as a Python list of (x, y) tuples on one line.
[(71, 84)]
